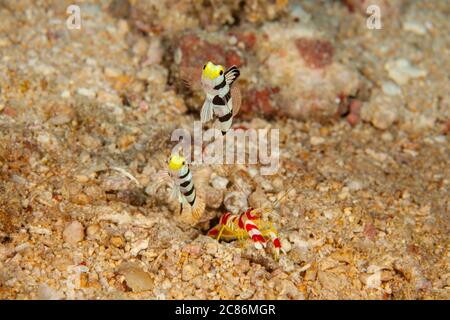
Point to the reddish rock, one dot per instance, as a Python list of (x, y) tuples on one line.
[(247, 38), (387, 7), (316, 53), (355, 112), (413, 249), (301, 64), (352, 4), (446, 129), (196, 51), (10, 111), (355, 106), (353, 119), (120, 8), (232, 58), (260, 102), (349, 108), (370, 231)]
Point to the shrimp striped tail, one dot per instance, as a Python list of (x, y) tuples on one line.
[(254, 233), (276, 242), (214, 231)]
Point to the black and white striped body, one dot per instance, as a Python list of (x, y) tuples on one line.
[(183, 179), (222, 105), (219, 99)]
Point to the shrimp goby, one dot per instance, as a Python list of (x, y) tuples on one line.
[(217, 85), (184, 188), (223, 98), (181, 182)]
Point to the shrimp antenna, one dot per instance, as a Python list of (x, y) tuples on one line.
[(277, 201), (240, 188)]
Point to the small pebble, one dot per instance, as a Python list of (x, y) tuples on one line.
[(117, 241), (73, 233), (391, 88), (387, 136), (65, 94), (235, 202), (219, 182), (189, 272), (415, 27), (354, 185), (401, 71), (136, 278), (90, 93), (214, 198), (286, 245), (315, 141), (137, 246), (92, 230)]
